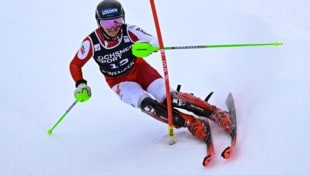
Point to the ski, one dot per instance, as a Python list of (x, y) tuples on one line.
[(209, 146), (210, 151), (209, 143), (232, 110)]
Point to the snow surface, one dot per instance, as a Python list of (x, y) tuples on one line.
[(106, 136)]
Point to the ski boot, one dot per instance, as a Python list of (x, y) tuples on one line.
[(192, 103), (223, 119), (159, 111), (196, 127), (202, 108)]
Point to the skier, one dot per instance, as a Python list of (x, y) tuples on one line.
[(133, 79)]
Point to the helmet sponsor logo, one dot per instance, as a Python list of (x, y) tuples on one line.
[(109, 11)]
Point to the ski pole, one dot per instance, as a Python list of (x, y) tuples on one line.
[(143, 49), (50, 131)]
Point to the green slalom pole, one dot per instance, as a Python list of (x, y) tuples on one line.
[(50, 131), (144, 49)]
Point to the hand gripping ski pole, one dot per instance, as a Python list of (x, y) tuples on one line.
[(50, 131)]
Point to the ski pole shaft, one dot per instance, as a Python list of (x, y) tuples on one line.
[(141, 49), (50, 131), (224, 45)]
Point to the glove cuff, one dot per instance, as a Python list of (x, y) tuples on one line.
[(80, 82)]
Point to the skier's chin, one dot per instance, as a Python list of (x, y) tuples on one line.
[(113, 32)]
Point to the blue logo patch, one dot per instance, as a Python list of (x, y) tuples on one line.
[(109, 11)]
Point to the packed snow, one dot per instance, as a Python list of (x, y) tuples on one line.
[(106, 136)]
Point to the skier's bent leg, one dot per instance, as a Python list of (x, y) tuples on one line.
[(192, 103), (159, 111), (202, 108), (158, 90), (130, 92)]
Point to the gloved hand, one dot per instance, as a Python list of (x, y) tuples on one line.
[(143, 49), (82, 92)]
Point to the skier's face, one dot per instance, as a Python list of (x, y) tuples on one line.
[(113, 32), (111, 26)]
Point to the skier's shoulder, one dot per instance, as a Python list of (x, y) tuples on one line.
[(85, 51), (93, 33), (136, 29), (93, 36), (131, 26)]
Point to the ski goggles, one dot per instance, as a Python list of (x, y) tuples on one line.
[(111, 23)]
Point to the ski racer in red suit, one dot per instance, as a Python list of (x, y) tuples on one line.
[(133, 79)]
